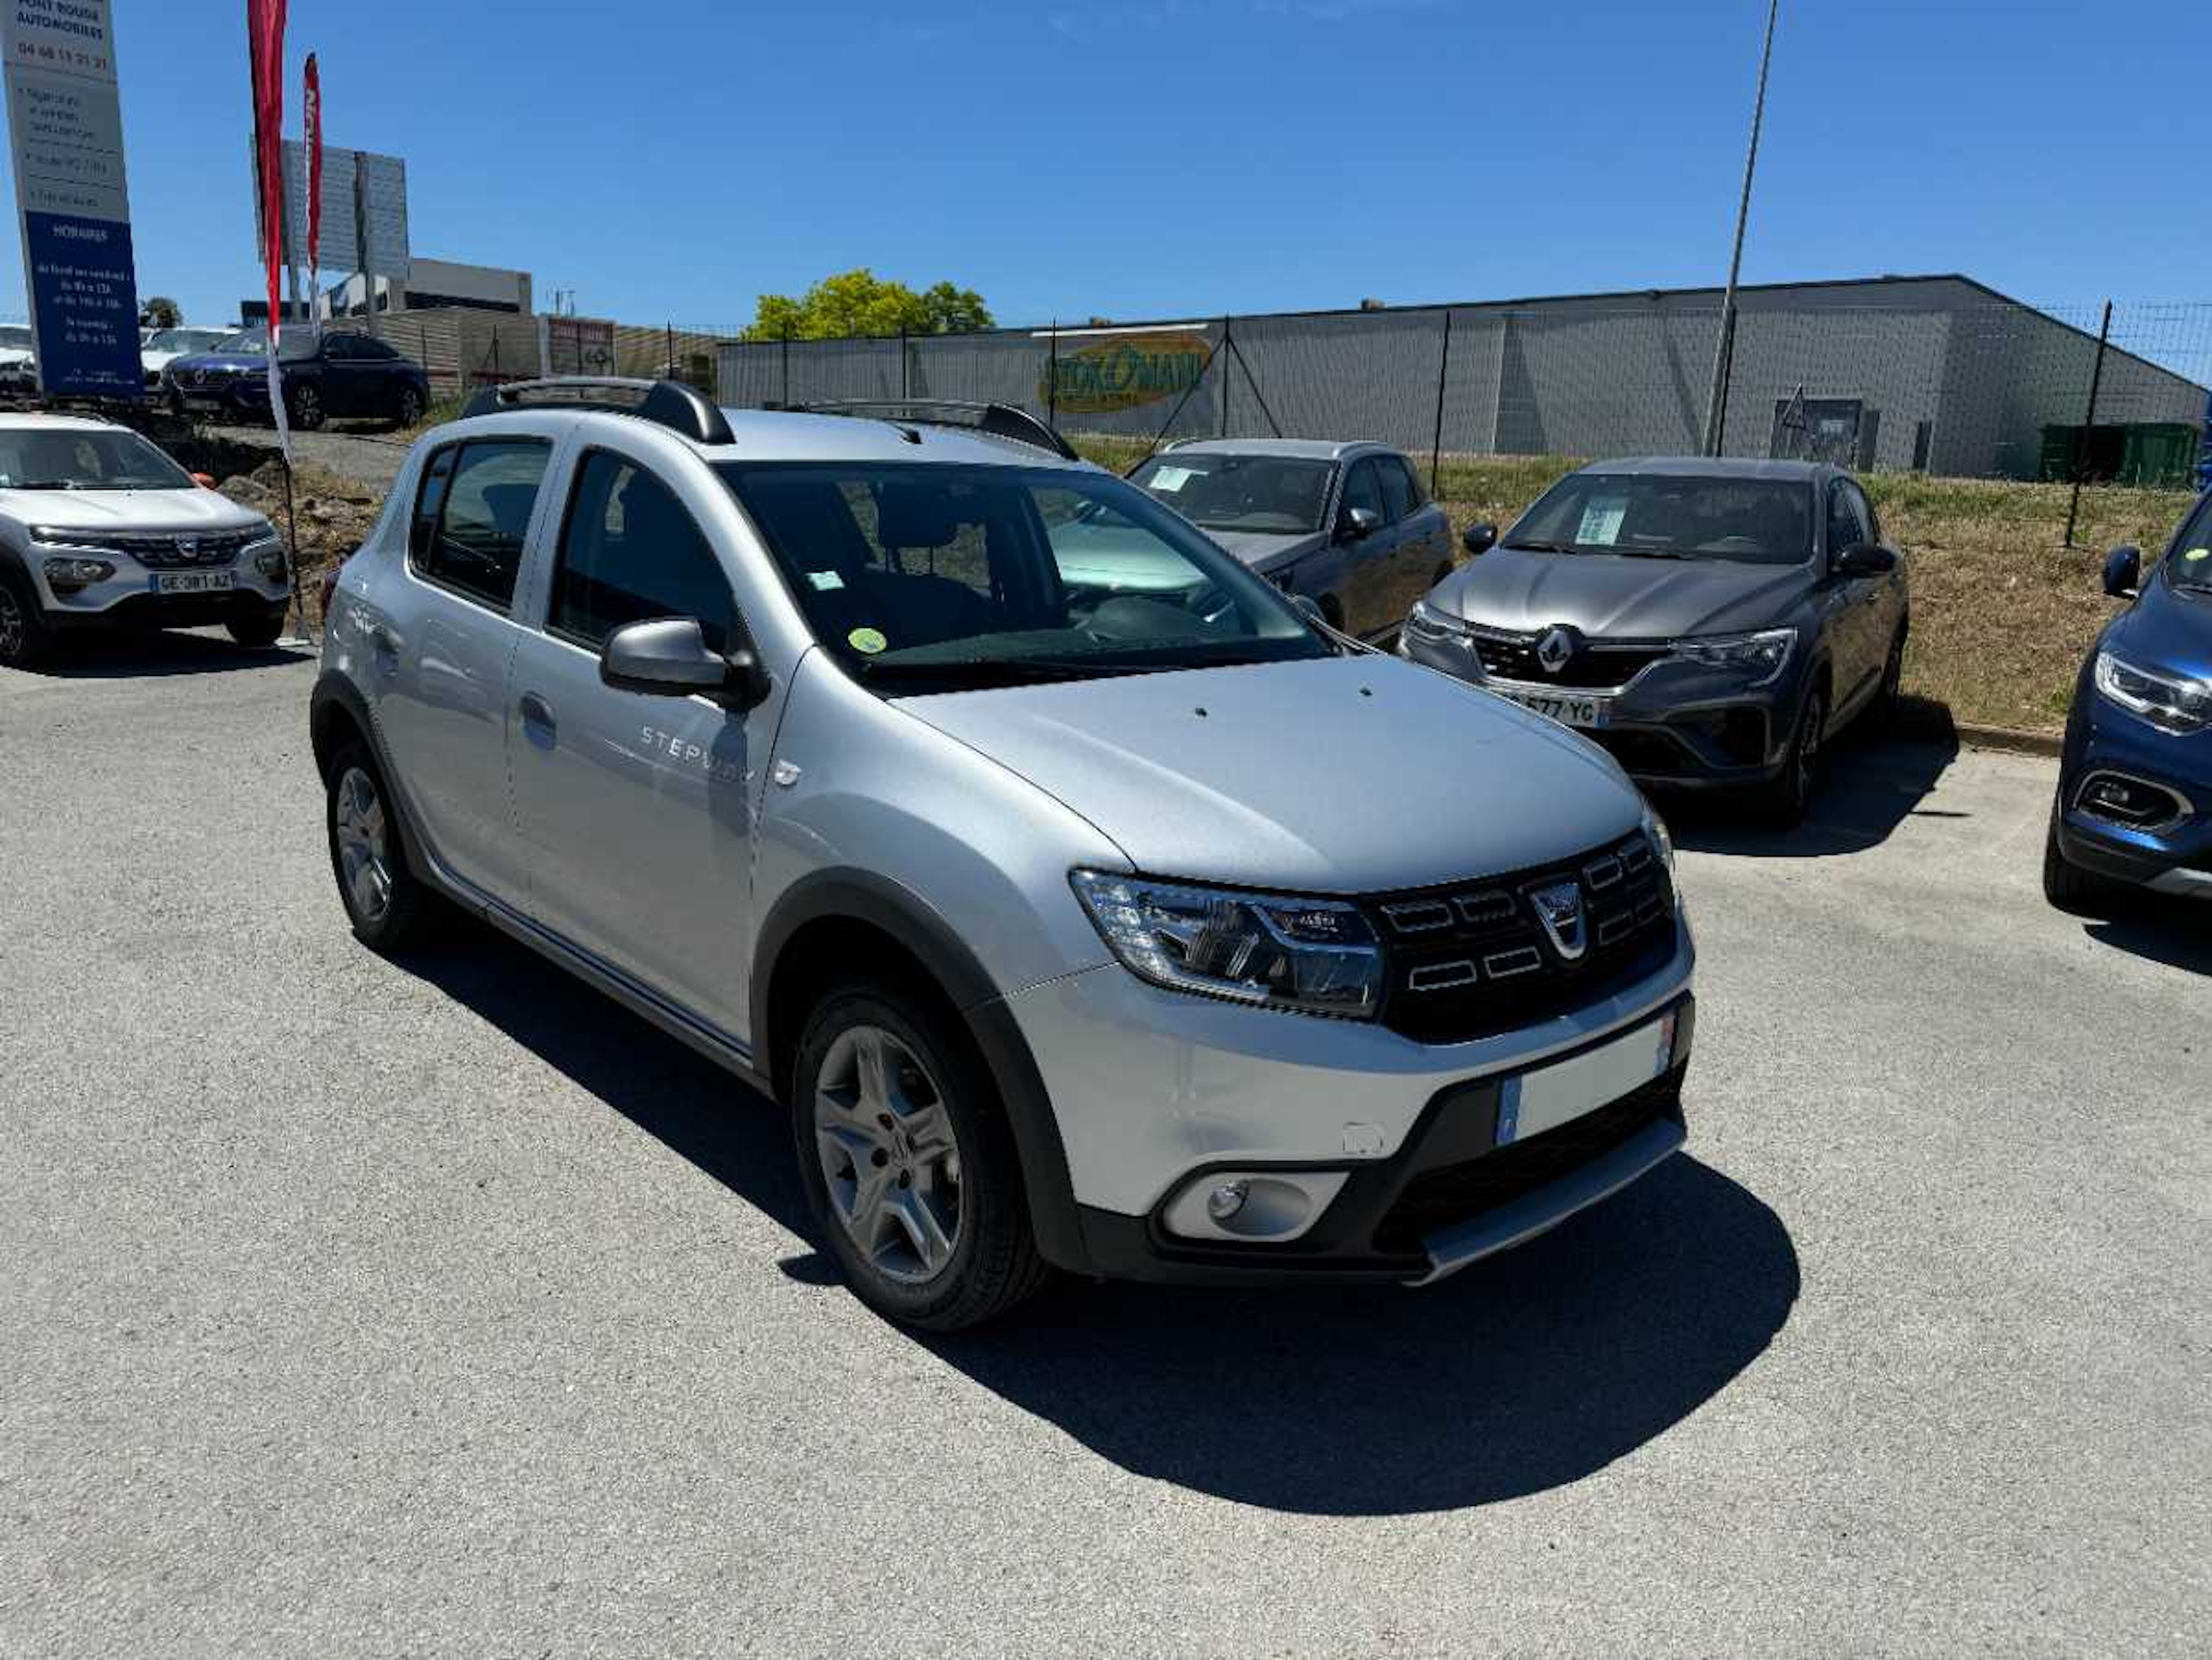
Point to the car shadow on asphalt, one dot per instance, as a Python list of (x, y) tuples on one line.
[(154, 655), (2158, 928), (1523, 1372), (1868, 786)]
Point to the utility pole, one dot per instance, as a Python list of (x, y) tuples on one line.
[(1724, 347)]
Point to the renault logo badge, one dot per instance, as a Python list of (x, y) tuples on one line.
[(1556, 649), (1560, 908)]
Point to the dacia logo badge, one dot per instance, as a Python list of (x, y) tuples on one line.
[(1560, 908), (188, 546), (1556, 649)]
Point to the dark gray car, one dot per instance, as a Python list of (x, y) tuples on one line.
[(1711, 623), (1346, 525)]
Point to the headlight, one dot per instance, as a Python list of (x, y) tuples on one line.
[(1425, 619), (2169, 702), (67, 575), (1762, 656), (1655, 830), (1314, 955)]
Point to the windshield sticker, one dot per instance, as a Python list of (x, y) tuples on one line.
[(1601, 521), (825, 581), (1171, 478), (2197, 556), (869, 641)]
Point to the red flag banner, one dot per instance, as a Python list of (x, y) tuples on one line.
[(310, 111), (265, 35)]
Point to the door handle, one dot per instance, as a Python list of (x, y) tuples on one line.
[(537, 712)]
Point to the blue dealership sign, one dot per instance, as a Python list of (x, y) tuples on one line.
[(84, 305)]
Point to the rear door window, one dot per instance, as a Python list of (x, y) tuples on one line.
[(472, 516), (630, 552)]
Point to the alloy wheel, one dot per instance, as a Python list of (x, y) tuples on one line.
[(14, 631), (363, 842), (307, 407), (890, 1159), (410, 406)]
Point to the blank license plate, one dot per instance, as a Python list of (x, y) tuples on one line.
[(1567, 711), (194, 581), (1558, 1094)]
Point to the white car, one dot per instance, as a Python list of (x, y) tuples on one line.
[(100, 530), (164, 346), (19, 363)]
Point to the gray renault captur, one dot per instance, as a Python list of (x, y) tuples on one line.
[(1155, 935), (1711, 623)]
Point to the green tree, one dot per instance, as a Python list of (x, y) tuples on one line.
[(162, 312), (860, 302)]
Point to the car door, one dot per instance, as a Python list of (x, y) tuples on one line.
[(1364, 589), (634, 809), (340, 375), (1424, 544), (1857, 640), (440, 643)]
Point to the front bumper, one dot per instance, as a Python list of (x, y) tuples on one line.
[(130, 599), (1674, 723), (2173, 855), (1156, 1091)]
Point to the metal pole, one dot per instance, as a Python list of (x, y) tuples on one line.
[(668, 346), (905, 391), (1437, 443), (1717, 402), (2089, 422), (785, 399), (1224, 379), (1052, 379)]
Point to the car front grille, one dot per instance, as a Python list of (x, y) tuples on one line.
[(179, 550), (1435, 1199), (1471, 959), (1513, 657)]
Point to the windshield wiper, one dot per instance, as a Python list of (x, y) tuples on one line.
[(1542, 547), (47, 485), (1648, 553), (1002, 670)]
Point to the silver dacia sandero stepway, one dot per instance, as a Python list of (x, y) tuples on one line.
[(1090, 907)]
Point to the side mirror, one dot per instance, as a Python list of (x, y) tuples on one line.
[(667, 656), (1480, 537), (1865, 559), (2123, 571), (1357, 524), (205, 481), (1309, 608)]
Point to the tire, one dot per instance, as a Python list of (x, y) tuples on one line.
[(1889, 701), (25, 640), (1782, 803), (908, 1160), (385, 902), (258, 633), (2068, 887), (305, 401), (410, 408)]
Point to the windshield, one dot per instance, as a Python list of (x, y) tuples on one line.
[(934, 578), (1277, 494), (185, 340), (293, 345), (90, 459), (1757, 521), (2189, 565)]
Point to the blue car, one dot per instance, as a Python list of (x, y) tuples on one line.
[(2135, 783)]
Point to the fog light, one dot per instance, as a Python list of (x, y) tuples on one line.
[(1225, 1201), (270, 562), (67, 575)]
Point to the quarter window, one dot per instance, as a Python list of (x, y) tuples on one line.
[(473, 514), (630, 552)]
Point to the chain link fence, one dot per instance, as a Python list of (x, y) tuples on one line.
[(1938, 375)]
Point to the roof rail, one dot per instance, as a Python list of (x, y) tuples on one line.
[(1001, 420), (669, 404)]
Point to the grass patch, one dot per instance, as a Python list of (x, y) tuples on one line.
[(2003, 610)]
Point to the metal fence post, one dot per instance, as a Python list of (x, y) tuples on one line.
[(1225, 339), (785, 399), (2089, 422), (668, 349), (1437, 443), (904, 390), (1052, 377)]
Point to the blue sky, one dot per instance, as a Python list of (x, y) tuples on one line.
[(671, 159)]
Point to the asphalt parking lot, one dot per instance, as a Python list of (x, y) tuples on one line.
[(357, 1307)]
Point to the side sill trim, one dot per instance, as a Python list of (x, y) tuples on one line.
[(1532, 1213)]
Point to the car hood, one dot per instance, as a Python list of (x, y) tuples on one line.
[(224, 362), (1608, 595), (1264, 549), (1346, 774), (149, 511), (2167, 630)]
